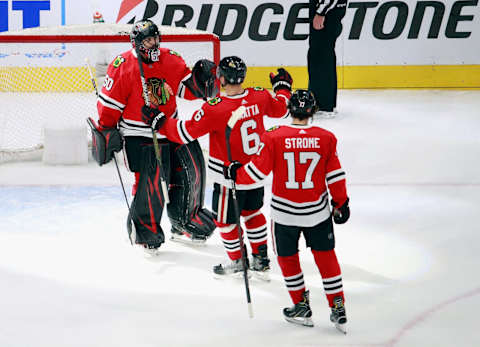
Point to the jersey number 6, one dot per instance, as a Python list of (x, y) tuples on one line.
[(250, 139)]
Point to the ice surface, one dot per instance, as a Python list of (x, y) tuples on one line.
[(409, 254)]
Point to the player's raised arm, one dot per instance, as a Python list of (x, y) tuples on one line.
[(282, 87)]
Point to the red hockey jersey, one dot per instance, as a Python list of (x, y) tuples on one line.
[(304, 161), (121, 98), (212, 119)]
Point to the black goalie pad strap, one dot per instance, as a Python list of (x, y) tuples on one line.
[(105, 142), (187, 191)]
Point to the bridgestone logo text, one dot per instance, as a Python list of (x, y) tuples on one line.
[(390, 19)]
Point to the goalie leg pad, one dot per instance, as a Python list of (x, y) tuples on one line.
[(105, 142), (187, 192), (147, 206)]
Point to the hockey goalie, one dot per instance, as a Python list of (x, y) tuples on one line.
[(121, 126)]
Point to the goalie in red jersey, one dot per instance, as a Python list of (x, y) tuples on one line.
[(212, 119), (121, 106), (304, 162)]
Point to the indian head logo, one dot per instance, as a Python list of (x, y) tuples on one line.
[(159, 91)]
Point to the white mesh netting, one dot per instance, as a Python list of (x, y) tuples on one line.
[(42, 83)]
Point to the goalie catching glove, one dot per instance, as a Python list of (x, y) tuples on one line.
[(105, 142), (203, 81), (282, 80), (153, 117)]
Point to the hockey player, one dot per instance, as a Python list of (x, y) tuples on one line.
[(121, 104), (212, 119), (304, 161)]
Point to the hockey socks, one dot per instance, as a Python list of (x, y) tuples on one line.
[(329, 268), (293, 276)]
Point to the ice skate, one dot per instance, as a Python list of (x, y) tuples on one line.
[(261, 264), (187, 239), (231, 268), (338, 315), (325, 114), (300, 313)]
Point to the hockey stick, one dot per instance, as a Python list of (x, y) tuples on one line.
[(236, 115), (154, 134), (131, 231)]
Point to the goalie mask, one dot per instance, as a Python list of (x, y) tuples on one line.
[(141, 32)]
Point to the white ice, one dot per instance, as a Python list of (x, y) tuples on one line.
[(409, 254)]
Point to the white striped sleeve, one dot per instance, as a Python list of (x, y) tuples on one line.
[(335, 176), (110, 103), (255, 174), (325, 6), (183, 133)]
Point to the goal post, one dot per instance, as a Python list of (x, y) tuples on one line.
[(44, 80)]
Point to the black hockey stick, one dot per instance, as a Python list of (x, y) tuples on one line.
[(236, 115), (154, 134), (131, 231)]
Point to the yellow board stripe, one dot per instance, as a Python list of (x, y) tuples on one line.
[(356, 77), (77, 79)]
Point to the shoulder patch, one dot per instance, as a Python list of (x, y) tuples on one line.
[(275, 127), (258, 88), (214, 101), (172, 52), (118, 61)]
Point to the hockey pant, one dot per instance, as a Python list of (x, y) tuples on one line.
[(187, 192)]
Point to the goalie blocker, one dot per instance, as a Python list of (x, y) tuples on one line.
[(105, 142)]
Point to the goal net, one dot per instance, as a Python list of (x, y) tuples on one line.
[(44, 79)]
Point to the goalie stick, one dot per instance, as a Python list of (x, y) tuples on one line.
[(236, 115), (132, 235), (154, 134)]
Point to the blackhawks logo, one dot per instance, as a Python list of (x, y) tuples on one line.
[(258, 88), (158, 91), (275, 127), (214, 101), (174, 53)]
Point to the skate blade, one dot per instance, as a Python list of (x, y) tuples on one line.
[(236, 275), (186, 241), (262, 275), (341, 327), (148, 253), (305, 321)]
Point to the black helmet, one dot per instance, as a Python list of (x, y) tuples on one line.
[(302, 104), (142, 30), (233, 69)]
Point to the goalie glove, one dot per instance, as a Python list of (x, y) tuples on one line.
[(282, 80), (341, 213), (203, 82), (230, 171), (153, 117)]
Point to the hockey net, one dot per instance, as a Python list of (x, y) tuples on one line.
[(44, 79)]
